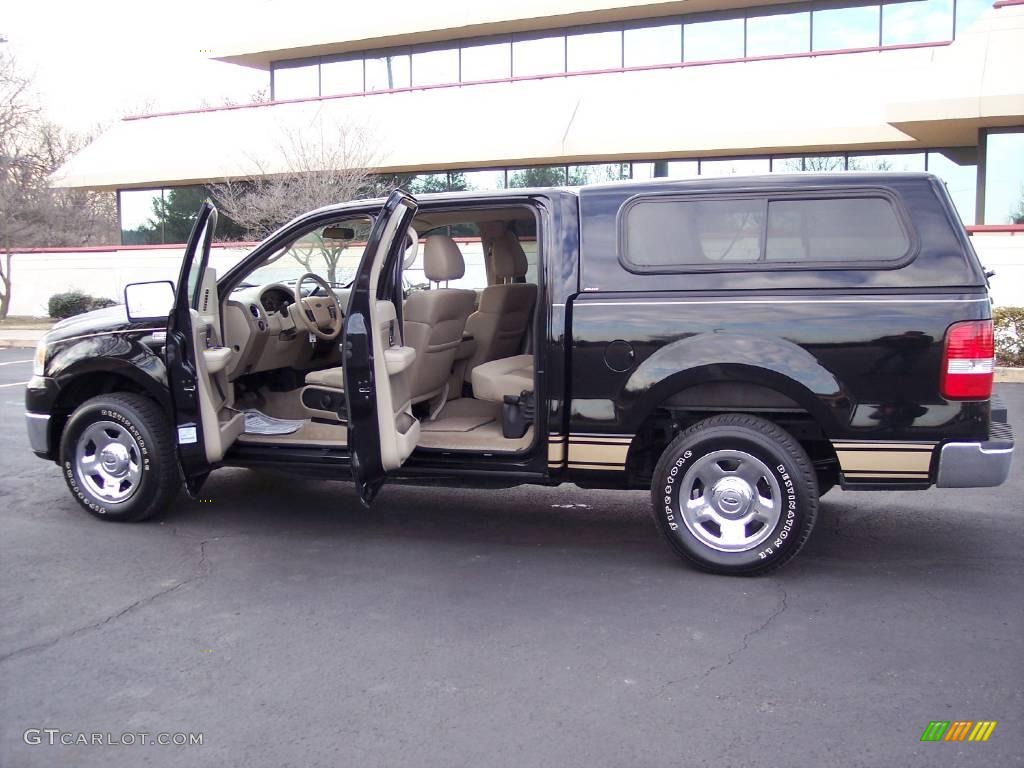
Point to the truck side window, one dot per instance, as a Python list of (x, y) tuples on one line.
[(834, 229)]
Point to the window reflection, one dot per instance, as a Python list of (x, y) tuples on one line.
[(484, 180), (787, 164), (386, 72), (538, 56), (344, 76), (968, 12), (537, 176), (825, 163), (486, 61), (652, 45), (778, 34), (711, 40), (1004, 178), (839, 28), (904, 161), (436, 67), (596, 50), (959, 170), (137, 210), (738, 167), (918, 21), (682, 169), (594, 174), (297, 82)]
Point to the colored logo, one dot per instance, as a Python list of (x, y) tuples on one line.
[(958, 730)]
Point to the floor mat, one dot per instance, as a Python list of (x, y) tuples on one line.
[(454, 423), (258, 423)]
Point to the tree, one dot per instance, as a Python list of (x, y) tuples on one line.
[(538, 176), (31, 213), (172, 217), (324, 168), (1017, 216)]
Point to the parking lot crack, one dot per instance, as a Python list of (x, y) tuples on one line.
[(201, 571)]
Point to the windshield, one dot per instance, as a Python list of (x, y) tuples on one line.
[(332, 252)]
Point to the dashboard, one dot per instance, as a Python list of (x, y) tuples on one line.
[(276, 299)]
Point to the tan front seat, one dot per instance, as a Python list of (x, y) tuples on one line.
[(435, 319), (499, 325)]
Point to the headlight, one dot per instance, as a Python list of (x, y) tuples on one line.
[(39, 361)]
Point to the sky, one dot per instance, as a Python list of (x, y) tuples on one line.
[(94, 62)]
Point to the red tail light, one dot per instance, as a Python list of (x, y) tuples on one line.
[(968, 360)]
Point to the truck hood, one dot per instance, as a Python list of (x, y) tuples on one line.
[(103, 320)]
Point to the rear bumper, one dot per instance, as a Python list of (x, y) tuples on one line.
[(977, 465)]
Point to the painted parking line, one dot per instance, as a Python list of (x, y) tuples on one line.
[(15, 384), (15, 362)]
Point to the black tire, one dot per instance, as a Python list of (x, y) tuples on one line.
[(770, 453), (140, 422)]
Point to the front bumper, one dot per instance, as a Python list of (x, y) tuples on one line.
[(38, 425), (977, 465)]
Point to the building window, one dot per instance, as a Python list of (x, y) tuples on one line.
[(593, 50), (1004, 177), (138, 209), (902, 161), (385, 72), (594, 174), (296, 80), (341, 76), (837, 29), (538, 56), (486, 61), (917, 21), (644, 46), (968, 12), (156, 216), (537, 176), (484, 180), (958, 168), (712, 40), (735, 167), (778, 34), (435, 67)]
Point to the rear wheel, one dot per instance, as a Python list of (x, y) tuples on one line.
[(118, 458), (735, 495)]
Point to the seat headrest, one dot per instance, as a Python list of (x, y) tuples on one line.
[(442, 259), (508, 257)]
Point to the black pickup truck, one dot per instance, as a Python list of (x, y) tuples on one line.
[(738, 346)]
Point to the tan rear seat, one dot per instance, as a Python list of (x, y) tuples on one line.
[(507, 376)]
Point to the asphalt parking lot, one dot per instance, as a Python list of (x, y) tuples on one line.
[(529, 627)]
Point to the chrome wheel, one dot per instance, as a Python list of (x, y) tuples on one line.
[(730, 500), (108, 462)]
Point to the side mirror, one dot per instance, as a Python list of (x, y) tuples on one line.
[(149, 301), (339, 233)]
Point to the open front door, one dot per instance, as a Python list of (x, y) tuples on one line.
[(180, 350), (382, 431)]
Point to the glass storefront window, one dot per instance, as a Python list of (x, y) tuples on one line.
[(593, 50), (344, 76), (484, 180), (296, 81), (594, 174), (1004, 178), (840, 28), (537, 176), (138, 207), (437, 67), (779, 33), (903, 161), (384, 73), (917, 21), (652, 45), (682, 169), (968, 12), (538, 56), (787, 164), (738, 167), (959, 170), (711, 40), (486, 61)]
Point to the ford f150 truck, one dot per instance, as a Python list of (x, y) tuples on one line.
[(737, 346)]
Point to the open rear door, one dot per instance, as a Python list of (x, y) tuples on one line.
[(181, 352), (382, 431)]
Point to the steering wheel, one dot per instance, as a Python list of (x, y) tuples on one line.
[(320, 315)]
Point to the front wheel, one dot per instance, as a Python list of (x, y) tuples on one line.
[(118, 458), (736, 495)]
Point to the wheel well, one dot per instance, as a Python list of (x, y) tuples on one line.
[(685, 408), (84, 387)]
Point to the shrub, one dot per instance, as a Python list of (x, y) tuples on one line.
[(1009, 331), (71, 303)]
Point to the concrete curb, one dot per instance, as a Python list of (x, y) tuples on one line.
[(1010, 375)]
